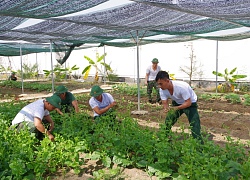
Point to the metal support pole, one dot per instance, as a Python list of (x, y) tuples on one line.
[(36, 68), (65, 67), (21, 67), (138, 74), (105, 71), (216, 82), (52, 71)]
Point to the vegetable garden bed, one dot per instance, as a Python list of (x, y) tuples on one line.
[(138, 143)]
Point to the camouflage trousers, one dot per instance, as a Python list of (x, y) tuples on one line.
[(150, 86)]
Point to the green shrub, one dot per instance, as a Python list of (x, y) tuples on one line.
[(233, 98)]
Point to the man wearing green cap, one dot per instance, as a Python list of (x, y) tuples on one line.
[(101, 103), (32, 114), (69, 101), (184, 100), (13, 76), (151, 73)]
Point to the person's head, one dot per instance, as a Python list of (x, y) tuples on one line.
[(162, 79), (52, 102), (13, 73), (96, 92), (155, 61), (61, 91)]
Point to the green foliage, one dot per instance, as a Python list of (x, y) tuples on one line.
[(233, 98), (60, 72), (96, 64), (27, 85), (5, 69), (207, 96), (129, 89), (245, 87), (123, 143), (29, 71), (113, 77), (246, 99), (230, 79)]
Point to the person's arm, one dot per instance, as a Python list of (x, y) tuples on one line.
[(103, 110), (165, 105), (186, 104), (75, 105), (39, 126), (146, 78), (59, 111), (48, 118)]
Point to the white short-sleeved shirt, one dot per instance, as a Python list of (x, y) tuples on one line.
[(151, 73), (182, 92), (107, 99), (29, 112)]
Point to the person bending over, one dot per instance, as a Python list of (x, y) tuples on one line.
[(184, 100)]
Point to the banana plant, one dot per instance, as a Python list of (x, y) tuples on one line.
[(230, 79), (95, 63), (60, 72)]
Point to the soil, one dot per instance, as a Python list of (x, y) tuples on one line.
[(219, 118)]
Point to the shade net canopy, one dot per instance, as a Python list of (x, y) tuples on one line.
[(71, 24)]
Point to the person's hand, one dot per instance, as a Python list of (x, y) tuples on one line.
[(172, 108), (146, 83), (51, 137), (166, 109), (51, 127), (112, 104)]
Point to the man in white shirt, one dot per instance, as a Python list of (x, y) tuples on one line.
[(151, 73), (184, 100), (32, 114), (101, 103)]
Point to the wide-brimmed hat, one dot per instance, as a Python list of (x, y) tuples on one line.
[(54, 101), (61, 89), (96, 91), (155, 60)]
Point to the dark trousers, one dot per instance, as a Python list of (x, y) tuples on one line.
[(150, 86), (193, 118)]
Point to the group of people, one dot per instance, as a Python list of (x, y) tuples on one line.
[(184, 100), (34, 115)]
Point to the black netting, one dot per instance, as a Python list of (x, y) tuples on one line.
[(7, 22), (63, 51), (185, 19), (44, 8)]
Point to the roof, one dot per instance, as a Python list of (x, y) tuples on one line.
[(73, 23)]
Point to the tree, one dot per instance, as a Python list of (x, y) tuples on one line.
[(29, 71), (230, 79), (98, 62), (193, 69)]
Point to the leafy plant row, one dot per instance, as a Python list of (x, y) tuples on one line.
[(231, 97), (27, 85), (125, 143)]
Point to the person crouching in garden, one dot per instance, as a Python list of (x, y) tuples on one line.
[(32, 114), (13, 77), (184, 100), (102, 104), (69, 103)]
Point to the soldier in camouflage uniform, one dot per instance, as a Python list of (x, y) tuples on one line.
[(151, 73)]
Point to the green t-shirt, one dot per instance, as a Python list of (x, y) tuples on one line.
[(69, 99), (67, 102)]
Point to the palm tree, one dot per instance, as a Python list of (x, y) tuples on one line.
[(98, 62)]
